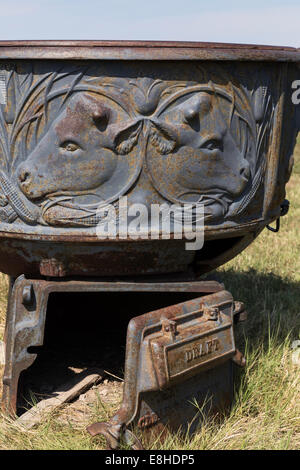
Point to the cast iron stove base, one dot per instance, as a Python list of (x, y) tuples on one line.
[(176, 357)]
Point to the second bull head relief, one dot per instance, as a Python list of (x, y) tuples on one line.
[(181, 142)]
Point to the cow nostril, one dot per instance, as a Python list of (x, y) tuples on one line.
[(24, 175)]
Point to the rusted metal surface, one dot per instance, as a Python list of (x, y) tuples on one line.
[(145, 50), (85, 123), (239, 359), (175, 355), (211, 131), (27, 310)]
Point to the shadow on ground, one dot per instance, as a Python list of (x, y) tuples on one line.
[(272, 303)]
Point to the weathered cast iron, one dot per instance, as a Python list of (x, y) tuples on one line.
[(27, 309), (174, 355), (83, 123)]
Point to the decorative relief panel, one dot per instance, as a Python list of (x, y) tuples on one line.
[(79, 136)]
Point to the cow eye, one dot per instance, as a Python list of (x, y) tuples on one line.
[(70, 146), (212, 144)]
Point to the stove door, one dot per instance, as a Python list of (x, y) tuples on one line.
[(178, 362), (177, 369)]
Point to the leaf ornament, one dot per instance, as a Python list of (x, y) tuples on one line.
[(127, 138), (162, 137), (27, 211)]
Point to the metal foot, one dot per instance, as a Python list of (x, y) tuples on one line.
[(114, 435), (24, 328)]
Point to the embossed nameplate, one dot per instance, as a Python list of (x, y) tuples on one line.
[(192, 349), (192, 353)]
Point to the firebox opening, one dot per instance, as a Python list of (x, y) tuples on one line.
[(82, 331)]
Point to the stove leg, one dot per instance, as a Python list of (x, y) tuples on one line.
[(25, 321)]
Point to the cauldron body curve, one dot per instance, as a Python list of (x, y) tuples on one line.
[(84, 123)]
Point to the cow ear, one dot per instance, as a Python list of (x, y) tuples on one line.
[(95, 109), (197, 106), (101, 117)]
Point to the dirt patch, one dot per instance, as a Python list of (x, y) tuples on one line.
[(101, 400)]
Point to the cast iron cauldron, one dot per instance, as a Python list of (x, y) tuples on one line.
[(83, 123)]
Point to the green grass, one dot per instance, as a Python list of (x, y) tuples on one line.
[(266, 412)]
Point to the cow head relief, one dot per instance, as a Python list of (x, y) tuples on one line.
[(210, 162), (75, 155), (191, 142)]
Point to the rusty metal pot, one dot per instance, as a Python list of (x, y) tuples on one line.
[(83, 123)]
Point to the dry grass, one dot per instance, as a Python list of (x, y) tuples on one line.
[(266, 414)]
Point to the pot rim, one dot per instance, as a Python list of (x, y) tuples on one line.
[(73, 234), (145, 50)]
